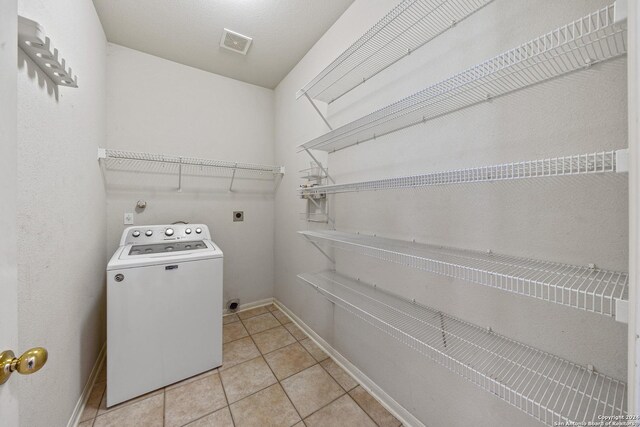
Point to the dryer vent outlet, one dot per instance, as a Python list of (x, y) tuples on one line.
[(233, 304)]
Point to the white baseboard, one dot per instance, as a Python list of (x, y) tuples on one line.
[(84, 397), (404, 416), (249, 305)]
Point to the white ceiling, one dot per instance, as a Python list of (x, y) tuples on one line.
[(189, 31)]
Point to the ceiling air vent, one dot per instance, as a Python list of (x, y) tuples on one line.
[(235, 41)]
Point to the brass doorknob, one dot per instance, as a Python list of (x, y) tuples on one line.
[(31, 361)]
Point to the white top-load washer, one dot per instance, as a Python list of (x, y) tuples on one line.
[(164, 308)]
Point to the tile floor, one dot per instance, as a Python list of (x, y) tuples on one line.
[(272, 375)]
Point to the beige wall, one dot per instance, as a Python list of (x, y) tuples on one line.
[(577, 220), (158, 106), (61, 211)]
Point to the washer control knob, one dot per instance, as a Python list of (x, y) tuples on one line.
[(198, 230), (169, 231), (148, 233), (188, 231), (136, 233)]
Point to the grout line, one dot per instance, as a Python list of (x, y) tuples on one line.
[(164, 406)]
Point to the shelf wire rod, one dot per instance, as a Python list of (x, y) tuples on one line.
[(233, 176)]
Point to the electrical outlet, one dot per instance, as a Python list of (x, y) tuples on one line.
[(128, 218)]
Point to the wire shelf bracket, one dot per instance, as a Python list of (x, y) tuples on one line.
[(109, 155), (578, 45), (33, 41), (587, 288), (546, 387), (407, 27), (616, 161)]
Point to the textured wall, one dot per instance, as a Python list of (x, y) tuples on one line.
[(61, 211), (577, 220), (159, 106)]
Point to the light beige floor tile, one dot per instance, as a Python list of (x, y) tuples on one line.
[(145, 413), (295, 331), (289, 360), (300, 424), (313, 348), (252, 312), (220, 418), (103, 405), (230, 318), (91, 408), (273, 339), (282, 318), (86, 424), (191, 379), (239, 351), (372, 407), (233, 331), (193, 400), (341, 412), (246, 378), (269, 407), (338, 374), (260, 323), (311, 389)]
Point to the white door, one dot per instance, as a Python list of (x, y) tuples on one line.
[(8, 161)]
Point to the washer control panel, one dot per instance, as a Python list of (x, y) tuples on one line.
[(148, 234)]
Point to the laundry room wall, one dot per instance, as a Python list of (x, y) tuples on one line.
[(159, 106), (61, 211), (578, 220)]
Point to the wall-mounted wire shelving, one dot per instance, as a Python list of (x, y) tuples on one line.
[(594, 38), (135, 161), (406, 28), (548, 388), (37, 46), (583, 287), (593, 163)]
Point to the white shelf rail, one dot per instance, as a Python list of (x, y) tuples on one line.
[(406, 28), (548, 388), (580, 44), (592, 163), (591, 289), (130, 160)]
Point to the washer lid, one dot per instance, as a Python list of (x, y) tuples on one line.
[(130, 256)]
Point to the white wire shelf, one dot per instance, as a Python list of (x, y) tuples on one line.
[(591, 289), (132, 161), (582, 43), (120, 155), (407, 27), (544, 386), (592, 163)]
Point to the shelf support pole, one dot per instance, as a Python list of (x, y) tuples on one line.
[(233, 176), (315, 107), (321, 250)]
